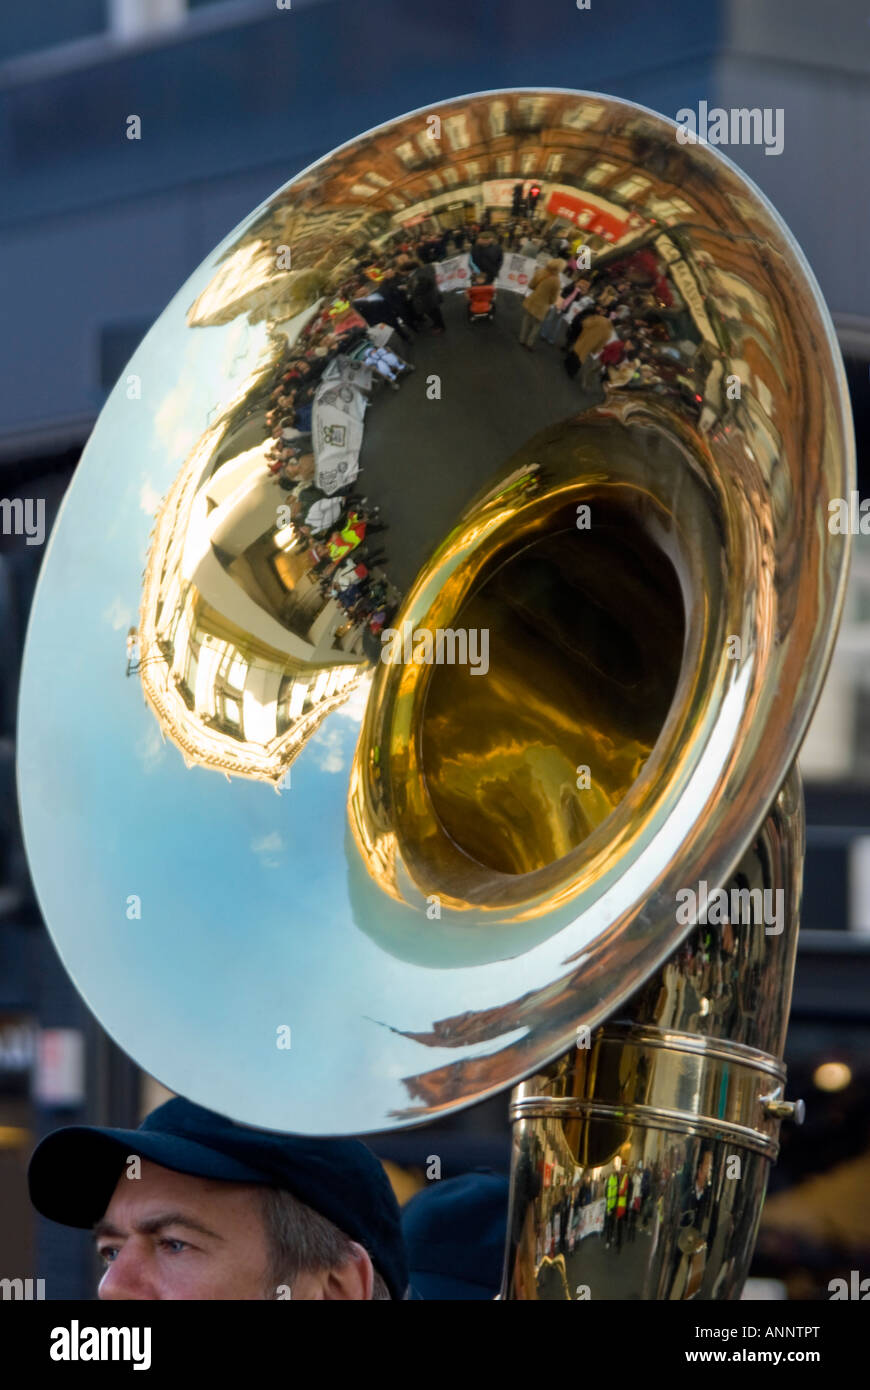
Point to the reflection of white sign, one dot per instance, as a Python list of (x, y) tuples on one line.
[(687, 285), (342, 396), (452, 274), (60, 1067), (689, 289), (499, 193), (323, 514), (591, 1218), (666, 249), (577, 305), (346, 370), (516, 272), (337, 433)]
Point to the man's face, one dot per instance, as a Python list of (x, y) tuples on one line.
[(168, 1235)]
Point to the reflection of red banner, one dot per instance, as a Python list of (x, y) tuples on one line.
[(586, 215)]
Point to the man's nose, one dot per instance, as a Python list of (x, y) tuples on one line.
[(127, 1277)]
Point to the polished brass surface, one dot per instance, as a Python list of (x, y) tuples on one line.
[(477, 781), (666, 1215), (464, 864), (586, 647), (640, 1161)]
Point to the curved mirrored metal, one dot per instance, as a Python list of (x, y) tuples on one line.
[(640, 1158), (473, 495)]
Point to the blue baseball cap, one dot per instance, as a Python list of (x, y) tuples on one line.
[(74, 1171), (455, 1232)]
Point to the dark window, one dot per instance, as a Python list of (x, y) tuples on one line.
[(29, 28)]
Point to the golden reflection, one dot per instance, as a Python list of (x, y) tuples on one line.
[(246, 568), (515, 377), (583, 668)]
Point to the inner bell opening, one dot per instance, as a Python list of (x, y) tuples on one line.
[(574, 645)]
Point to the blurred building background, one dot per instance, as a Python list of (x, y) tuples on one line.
[(97, 233)]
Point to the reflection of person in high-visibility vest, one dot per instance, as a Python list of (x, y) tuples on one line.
[(621, 1206), (342, 542), (343, 316), (611, 1192)]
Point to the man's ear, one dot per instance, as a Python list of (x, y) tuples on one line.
[(353, 1279)]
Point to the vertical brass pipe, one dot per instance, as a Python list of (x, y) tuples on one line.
[(640, 1162)]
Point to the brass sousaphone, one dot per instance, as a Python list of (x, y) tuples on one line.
[(539, 823)]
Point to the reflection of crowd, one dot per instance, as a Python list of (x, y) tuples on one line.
[(388, 289), (622, 324), (626, 1198), (669, 1200), (336, 528)]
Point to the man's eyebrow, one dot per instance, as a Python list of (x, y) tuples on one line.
[(152, 1224)]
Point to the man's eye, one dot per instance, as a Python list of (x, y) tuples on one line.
[(107, 1253), (175, 1247)]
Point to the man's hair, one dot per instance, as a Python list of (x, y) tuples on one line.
[(301, 1241)]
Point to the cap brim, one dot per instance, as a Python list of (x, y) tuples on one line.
[(74, 1171)]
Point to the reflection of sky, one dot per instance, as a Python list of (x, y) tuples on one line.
[(246, 922), (255, 910)]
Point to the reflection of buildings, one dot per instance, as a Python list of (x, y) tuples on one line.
[(614, 184), (241, 656), (405, 175), (486, 146), (555, 136)]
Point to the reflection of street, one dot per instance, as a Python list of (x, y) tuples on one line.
[(600, 1267), (494, 395)]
